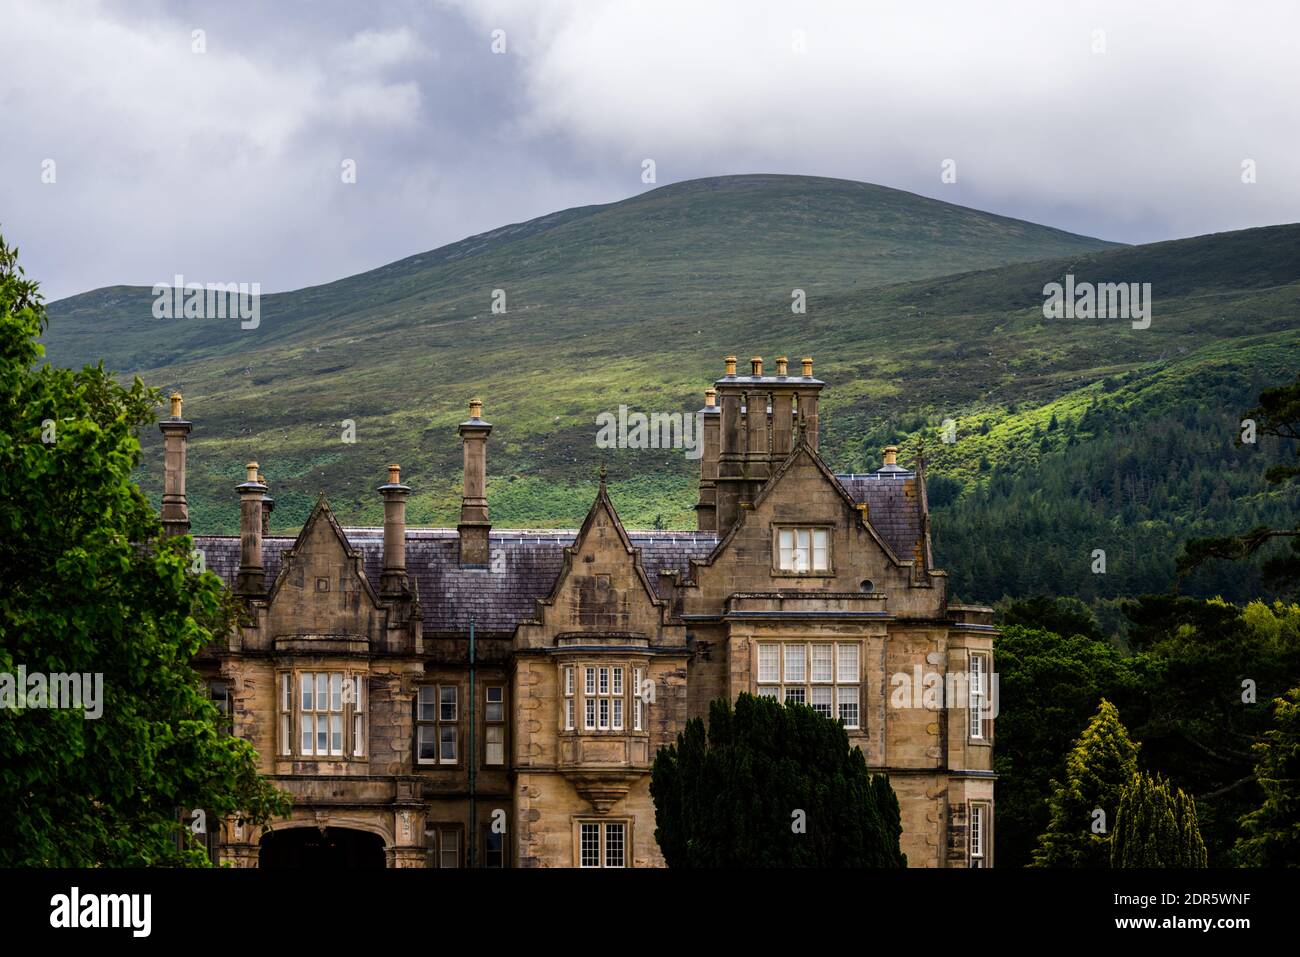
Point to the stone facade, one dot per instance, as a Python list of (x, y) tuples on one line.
[(442, 697)]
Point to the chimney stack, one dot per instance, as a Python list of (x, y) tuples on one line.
[(778, 411), (474, 525), (250, 580), (808, 430), (175, 507), (393, 580), (268, 503), (706, 510)]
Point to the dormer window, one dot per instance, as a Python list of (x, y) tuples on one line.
[(802, 550)]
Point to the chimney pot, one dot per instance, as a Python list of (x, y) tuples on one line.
[(756, 366), (252, 472), (394, 475), (730, 364), (710, 398), (476, 408), (176, 405), (782, 364), (891, 454), (807, 367)]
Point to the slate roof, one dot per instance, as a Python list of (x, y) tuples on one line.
[(892, 508), (532, 558), (449, 594)]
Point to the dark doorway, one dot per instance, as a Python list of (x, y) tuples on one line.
[(333, 848)]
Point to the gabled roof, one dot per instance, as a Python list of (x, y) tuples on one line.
[(802, 449), (321, 512), (527, 563), (601, 504)]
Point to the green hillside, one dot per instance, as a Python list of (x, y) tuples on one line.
[(918, 311)]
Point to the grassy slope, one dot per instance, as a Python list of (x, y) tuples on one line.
[(636, 302)]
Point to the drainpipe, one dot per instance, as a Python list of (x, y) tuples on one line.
[(473, 751)]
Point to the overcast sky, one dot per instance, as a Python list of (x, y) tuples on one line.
[(226, 165)]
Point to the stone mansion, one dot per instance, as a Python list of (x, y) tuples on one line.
[(488, 697)]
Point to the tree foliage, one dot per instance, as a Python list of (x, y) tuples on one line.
[(1051, 685), (1156, 827), (771, 786), (90, 586), (1277, 416), (1272, 830), (1102, 763)]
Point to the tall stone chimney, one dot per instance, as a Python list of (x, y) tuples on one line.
[(807, 395), (175, 507), (762, 419), (250, 580), (393, 579), (474, 525), (268, 504), (706, 510)]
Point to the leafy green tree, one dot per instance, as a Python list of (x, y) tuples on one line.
[(1056, 683), (1272, 831), (1102, 763), (1156, 827), (1063, 616), (1209, 671), (771, 786), (91, 587)]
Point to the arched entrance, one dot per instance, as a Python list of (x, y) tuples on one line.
[(310, 847)]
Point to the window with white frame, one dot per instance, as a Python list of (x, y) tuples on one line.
[(803, 551), (359, 697), (603, 694), (494, 728), (602, 844), (286, 713), (824, 675), (437, 729), (569, 698), (322, 714), (978, 831), (638, 701), (977, 680)]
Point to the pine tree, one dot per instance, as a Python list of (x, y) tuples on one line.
[(1156, 827), (1101, 764)]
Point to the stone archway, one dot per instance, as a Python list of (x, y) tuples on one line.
[(321, 849)]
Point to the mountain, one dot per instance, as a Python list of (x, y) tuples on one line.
[(917, 312)]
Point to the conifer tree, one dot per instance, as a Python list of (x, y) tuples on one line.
[(1156, 827), (771, 786), (1083, 805)]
